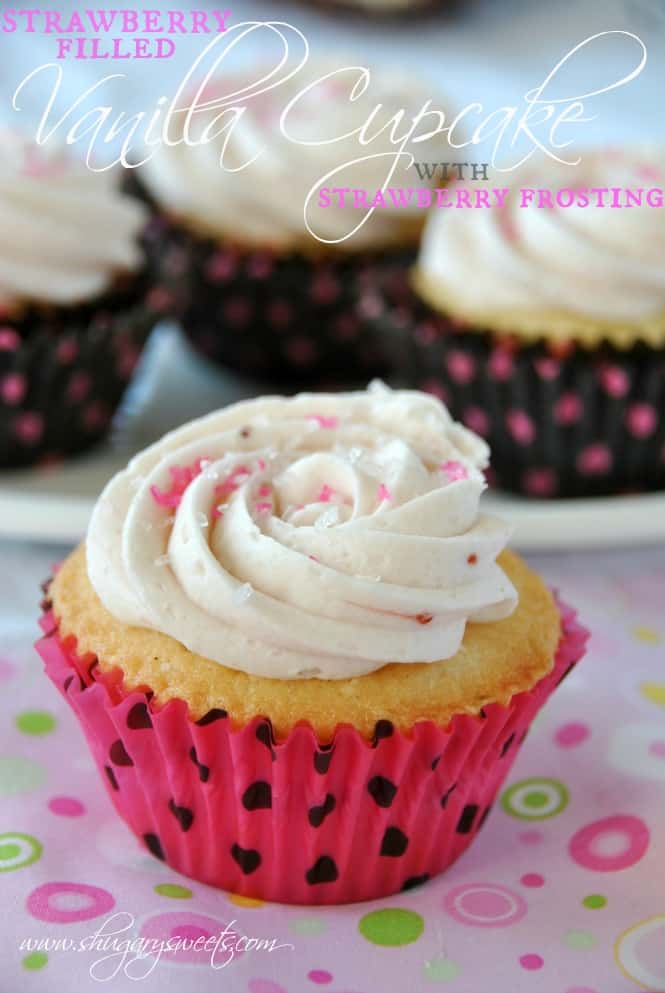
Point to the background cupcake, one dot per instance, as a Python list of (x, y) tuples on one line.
[(385, 8), (75, 308), (258, 292), (301, 661), (544, 329)]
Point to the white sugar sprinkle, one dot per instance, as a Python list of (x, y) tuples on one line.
[(377, 386), (202, 519), (242, 594), (162, 561), (328, 518)]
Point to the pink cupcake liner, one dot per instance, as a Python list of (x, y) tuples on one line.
[(297, 820)]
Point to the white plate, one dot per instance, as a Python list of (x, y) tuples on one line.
[(174, 386)]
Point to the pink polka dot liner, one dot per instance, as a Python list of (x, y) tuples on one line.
[(297, 820), (286, 318), (560, 419), (63, 371)]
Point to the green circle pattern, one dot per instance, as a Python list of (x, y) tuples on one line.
[(595, 901), (18, 850), (173, 890), (35, 722), (391, 927), (35, 961), (535, 799)]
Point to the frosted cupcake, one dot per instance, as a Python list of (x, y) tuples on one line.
[(301, 657), (75, 309), (258, 291), (544, 329)]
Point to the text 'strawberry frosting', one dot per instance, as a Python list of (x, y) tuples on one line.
[(318, 536), (66, 232)]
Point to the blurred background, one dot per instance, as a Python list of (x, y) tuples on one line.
[(489, 51)]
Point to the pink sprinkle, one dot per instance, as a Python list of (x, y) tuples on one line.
[(264, 490), (263, 507), (383, 493), (313, 558), (454, 470), (326, 494), (181, 477), (13, 388), (323, 421), (9, 340), (261, 465), (424, 618), (226, 488)]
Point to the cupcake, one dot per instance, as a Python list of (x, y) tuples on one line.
[(301, 655), (266, 284), (542, 325), (385, 8), (75, 309)]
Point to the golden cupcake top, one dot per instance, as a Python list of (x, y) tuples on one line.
[(574, 253)]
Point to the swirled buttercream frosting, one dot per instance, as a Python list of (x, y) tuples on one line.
[(66, 232), (564, 256), (324, 535), (254, 179)]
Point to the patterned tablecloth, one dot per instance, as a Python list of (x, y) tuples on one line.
[(563, 892)]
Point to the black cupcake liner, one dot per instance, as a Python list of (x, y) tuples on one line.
[(562, 420), (288, 319), (63, 371)]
